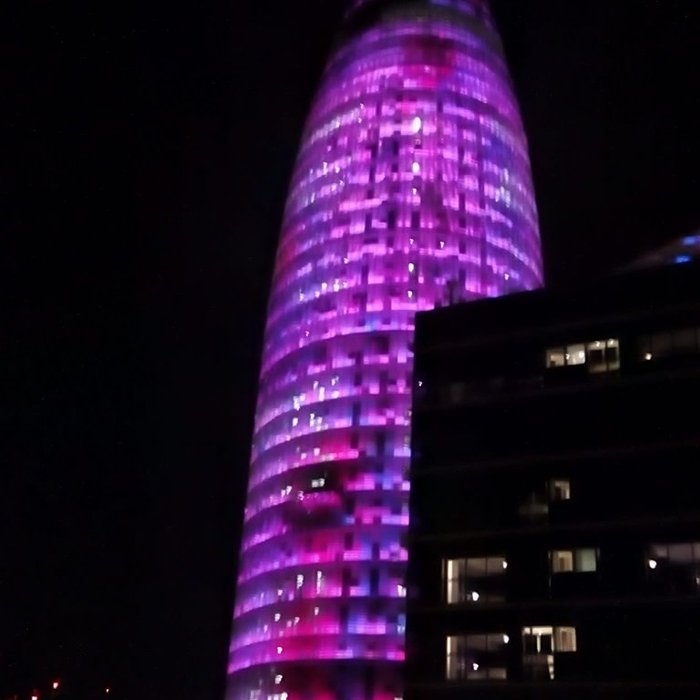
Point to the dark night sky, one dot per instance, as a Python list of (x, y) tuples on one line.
[(150, 147)]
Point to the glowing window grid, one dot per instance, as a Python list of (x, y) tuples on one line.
[(412, 188)]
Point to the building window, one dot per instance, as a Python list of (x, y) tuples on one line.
[(457, 392), (564, 640), (556, 357), (567, 355), (534, 508), (679, 553), (603, 356), (563, 561), (675, 567), (599, 355), (576, 354), (540, 644), (477, 657), (682, 341), (559, 490), (475, 579)]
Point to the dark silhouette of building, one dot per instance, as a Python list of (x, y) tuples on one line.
[(555, 505)]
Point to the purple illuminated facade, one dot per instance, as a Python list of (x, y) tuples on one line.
[(412, 188)]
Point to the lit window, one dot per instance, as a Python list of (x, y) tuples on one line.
[(677, 552), (476, 579), (561, 561), (603, 355), (556, 357), (540, 644), (564, 640), (545, 640), (600, 355), (675, 567), (564, 561), (559, 490), (477, 657), (575, 354)]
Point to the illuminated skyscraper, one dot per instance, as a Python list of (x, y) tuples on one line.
[(412, 188)]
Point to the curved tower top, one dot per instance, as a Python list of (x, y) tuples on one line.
[(412, 188), (468, 6)]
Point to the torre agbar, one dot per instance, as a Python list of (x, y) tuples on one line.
[(412, 189)]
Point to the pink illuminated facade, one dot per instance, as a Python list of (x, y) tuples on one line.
[(412, 188)]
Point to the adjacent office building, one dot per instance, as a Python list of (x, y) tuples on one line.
[(412, 186), (555, 503)]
